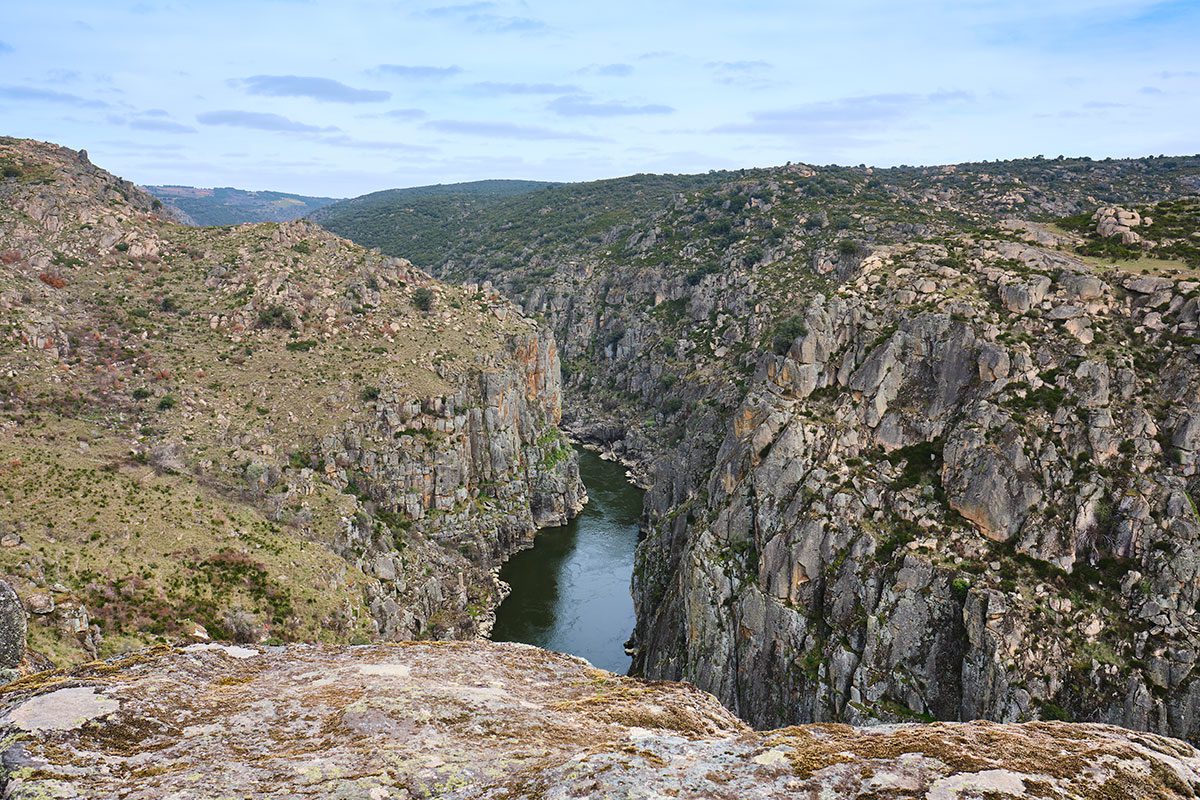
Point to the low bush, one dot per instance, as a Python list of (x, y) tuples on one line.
[(423, 299)]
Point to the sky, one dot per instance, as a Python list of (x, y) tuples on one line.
[(343, 97)]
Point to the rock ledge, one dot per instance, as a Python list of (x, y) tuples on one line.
[(476, 719)]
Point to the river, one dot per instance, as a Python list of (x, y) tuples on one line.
[(570, 591)]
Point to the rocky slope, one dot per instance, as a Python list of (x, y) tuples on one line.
[(959, 493), (262, 432), (915, 451), (475, 720)]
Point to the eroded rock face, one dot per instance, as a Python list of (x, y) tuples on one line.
[(950, 478), (907, 453), (476, 720), (1114, 221), (959, 513)]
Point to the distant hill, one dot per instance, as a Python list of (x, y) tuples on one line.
[(228, 206), (419, 220)]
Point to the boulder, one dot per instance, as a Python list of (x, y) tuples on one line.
[(1112, 221), (1082, 287), (1148, 284), (1020, 297)]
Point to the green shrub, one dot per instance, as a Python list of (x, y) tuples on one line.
[(1050, 711), (1046, 396), (275, 316), (787, 332), (700, 273), (423, 299), (922, 464), (166, 402), (901, 533)]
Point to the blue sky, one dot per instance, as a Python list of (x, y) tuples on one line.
[(341, 98)]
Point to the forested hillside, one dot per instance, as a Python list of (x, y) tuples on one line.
[(419, 220)]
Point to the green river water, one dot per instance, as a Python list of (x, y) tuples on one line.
[(570, 591)]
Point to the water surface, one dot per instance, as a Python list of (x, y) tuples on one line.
[(570, 591)]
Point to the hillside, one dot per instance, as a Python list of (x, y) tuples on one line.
[(264, 431), (228, 206), (418, 221), (920, 442), (591, 219)]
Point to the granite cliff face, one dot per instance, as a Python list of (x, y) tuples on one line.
[(481, 720), (920, 443), (961, 493), (260, 432)]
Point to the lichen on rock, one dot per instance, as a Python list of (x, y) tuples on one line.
[(481, 720)]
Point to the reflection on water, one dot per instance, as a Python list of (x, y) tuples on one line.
[(570, 591)]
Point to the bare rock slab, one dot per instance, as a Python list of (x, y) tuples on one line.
[(476, 720)]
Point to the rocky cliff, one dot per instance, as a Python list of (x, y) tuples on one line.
[(919, 442), (261, 433), (960, 493), (476, 720)]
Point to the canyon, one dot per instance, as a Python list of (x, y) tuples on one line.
[(919, 441), (919, 448)]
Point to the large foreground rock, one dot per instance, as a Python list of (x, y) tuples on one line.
[(474, 719)]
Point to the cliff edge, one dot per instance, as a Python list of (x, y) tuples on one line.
[(476, 719)]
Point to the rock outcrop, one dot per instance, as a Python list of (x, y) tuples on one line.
[(479, 720), (255, 433), (1113, 221)]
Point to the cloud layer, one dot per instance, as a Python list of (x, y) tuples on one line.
[(584, 107), (258, 121), (418, 72), (506, 130), (35, 95), (325, 89), (349, 96)]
